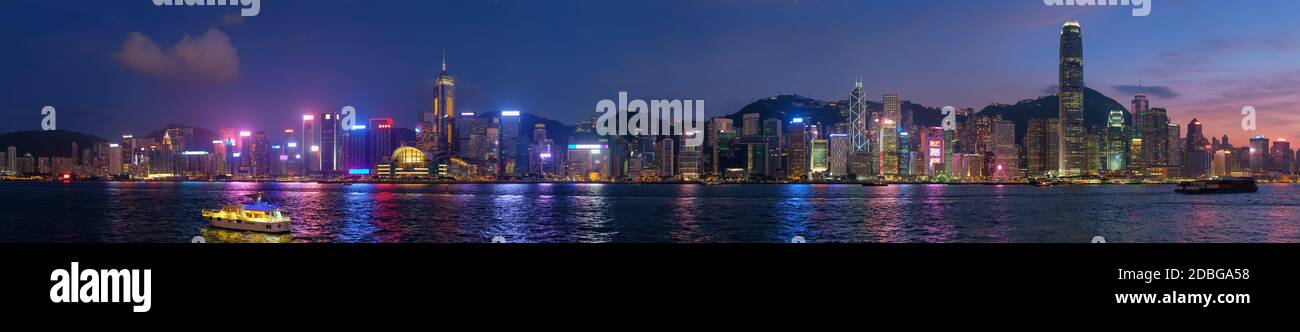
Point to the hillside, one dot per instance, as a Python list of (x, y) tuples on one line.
[(1096, 110), (54, 143)]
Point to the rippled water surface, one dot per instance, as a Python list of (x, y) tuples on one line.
[(169, 212)]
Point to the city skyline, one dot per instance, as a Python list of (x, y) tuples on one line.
[(142, 100)]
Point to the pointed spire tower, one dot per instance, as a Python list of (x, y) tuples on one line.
[(858, 118), (444, 111)]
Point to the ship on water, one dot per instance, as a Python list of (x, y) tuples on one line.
[(1226, 185), (257, 216)]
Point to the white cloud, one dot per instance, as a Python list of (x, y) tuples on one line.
[(210, 57)]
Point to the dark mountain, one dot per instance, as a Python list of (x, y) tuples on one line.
[(555, 130), (1096, 110), (787, 107), (201, 141), (53, 143)]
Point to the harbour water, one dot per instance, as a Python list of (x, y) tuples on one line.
[(136, 212)]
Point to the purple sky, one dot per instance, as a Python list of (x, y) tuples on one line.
[(127, 66)]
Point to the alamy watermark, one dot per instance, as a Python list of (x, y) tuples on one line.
[(246, 7), (656, 117), (1248, 122), (1140, 7), (50, 121)]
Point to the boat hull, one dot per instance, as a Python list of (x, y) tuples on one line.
[(263, 227), (1218, 186)]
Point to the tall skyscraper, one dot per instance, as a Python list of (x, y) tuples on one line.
[(667, 158), (311, 144), (1006, 155), (260, 156), (1116, 149), (292, 150), (936, 151), (331, 161), (513, 146), (219, 165), (775, 153), (358, 151), (749, 125), (381, 140), (818, 158), (889, 147), (1175, 149), (688, 163), (893, 108), (539, 152), (1072, 158), (1140, 107), (797, 168), (1041, 141), (1281, 157), (858, 119), (719, 137), (1259, 154), (1155, 141), (13, 159), (1197, 161), (437, 129), (838, 156), (114, 159)]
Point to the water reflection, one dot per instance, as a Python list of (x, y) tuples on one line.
[(218, 235), (169, 212), (794, 212)]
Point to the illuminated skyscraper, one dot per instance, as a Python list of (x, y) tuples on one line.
[(381, 139), (1041, 140), (219, 165), (311, 144), (1155, 141), (358, 151), (893, 107), (436, 130), (838, 156), (1259, 154), (889, 147), (688, 161), (798, 150), (114, 159), (260, 155), (1175, 150), (1006, 155), (772, 132), (1116, 142), (330, 141), (935, 150), (292, 150), (819, 158), (1219, 167), (540, 153), (471, 136), (1072, 157), (1198, 152), (720, 135), (514, 158), (667, 155), (858, 119), (1281, 156)]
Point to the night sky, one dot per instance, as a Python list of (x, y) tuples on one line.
[(112, 67)]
